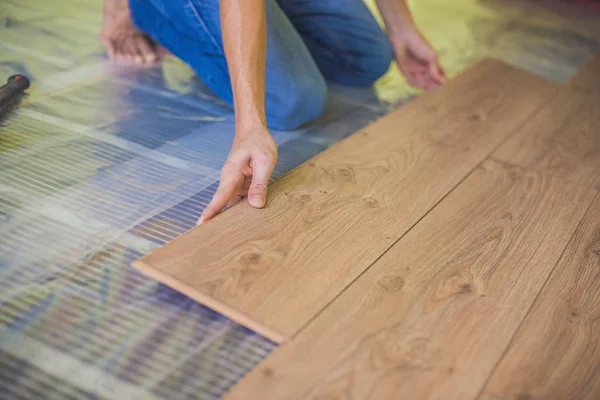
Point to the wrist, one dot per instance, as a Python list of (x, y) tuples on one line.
[(251, 122), (115, 6), (248, 125), (401, 32)]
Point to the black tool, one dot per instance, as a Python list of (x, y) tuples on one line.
[(12, 90)]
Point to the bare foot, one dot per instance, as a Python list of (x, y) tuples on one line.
[(121, 40)]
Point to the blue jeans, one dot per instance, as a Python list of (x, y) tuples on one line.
[(309, 42)]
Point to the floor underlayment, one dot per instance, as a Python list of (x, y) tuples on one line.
[(103, 163)]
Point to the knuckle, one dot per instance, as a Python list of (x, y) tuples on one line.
[(259, 187), (266, 158), (263, 160), (227, 169)]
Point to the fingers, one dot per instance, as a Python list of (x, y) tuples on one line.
[(257, 194), (415, 79), (146, 52), (225, 192), (420, 78), (135, 49), (119, 51), (436, 72), (236, 199), (418, 63), (130, 50), (412, 70)]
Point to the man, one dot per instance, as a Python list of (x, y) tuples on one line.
[(270, 60)]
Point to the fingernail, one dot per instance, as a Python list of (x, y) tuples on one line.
[(257, 201), (200, 221)]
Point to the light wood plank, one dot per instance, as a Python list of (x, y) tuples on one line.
[(331, 218), (556, 354), (431, 318), (587, 79), (564, 138)]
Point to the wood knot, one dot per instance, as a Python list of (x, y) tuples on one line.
[(476, 117), (391, 283), (371, 202), (267, 371), (251, 258), (305, 197), (323, 191), (465, 288), (301, 197), (345, 174), (506, 217)]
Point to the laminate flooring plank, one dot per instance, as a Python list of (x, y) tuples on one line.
[(432, 317), (556, 354), (587, 79), (563, 138), (274, 269)]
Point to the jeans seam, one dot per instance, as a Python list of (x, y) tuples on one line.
[(193, 8)]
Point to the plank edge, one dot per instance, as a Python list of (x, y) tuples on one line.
[(211, 302)]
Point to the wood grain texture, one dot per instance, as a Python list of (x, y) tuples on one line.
[(564, 137), (332, 217), (431, 318), (556, 354)]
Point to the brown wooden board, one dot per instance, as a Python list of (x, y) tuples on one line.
[(275, 269), (563, 138), (433, 316), (556, 354), (587, 79)]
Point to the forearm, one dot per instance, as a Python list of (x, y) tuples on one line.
[(243, 25), (114, 6), (396, 16)]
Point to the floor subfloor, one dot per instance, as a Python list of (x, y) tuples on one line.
[(104, 163)]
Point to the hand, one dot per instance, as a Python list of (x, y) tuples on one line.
[(246, 172), (121, 40), (417, 60)]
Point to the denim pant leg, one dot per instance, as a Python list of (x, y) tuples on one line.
[(343, 37), (296, 91)]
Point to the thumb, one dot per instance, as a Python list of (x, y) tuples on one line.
[(257, 193)]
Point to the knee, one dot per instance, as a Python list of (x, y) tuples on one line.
[(371, 66), (380, 62), (294, 105)]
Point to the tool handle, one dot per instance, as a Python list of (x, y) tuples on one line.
[(12, 89)]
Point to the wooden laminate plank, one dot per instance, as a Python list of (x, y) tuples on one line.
[(587, 79), (556, 354), (274, 269), (563, 138), (430, 319)]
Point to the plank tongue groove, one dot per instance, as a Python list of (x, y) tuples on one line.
[(332, 217), (556, 353), (431, 318)]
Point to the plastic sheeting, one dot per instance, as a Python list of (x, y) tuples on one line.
[(103, 163)]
